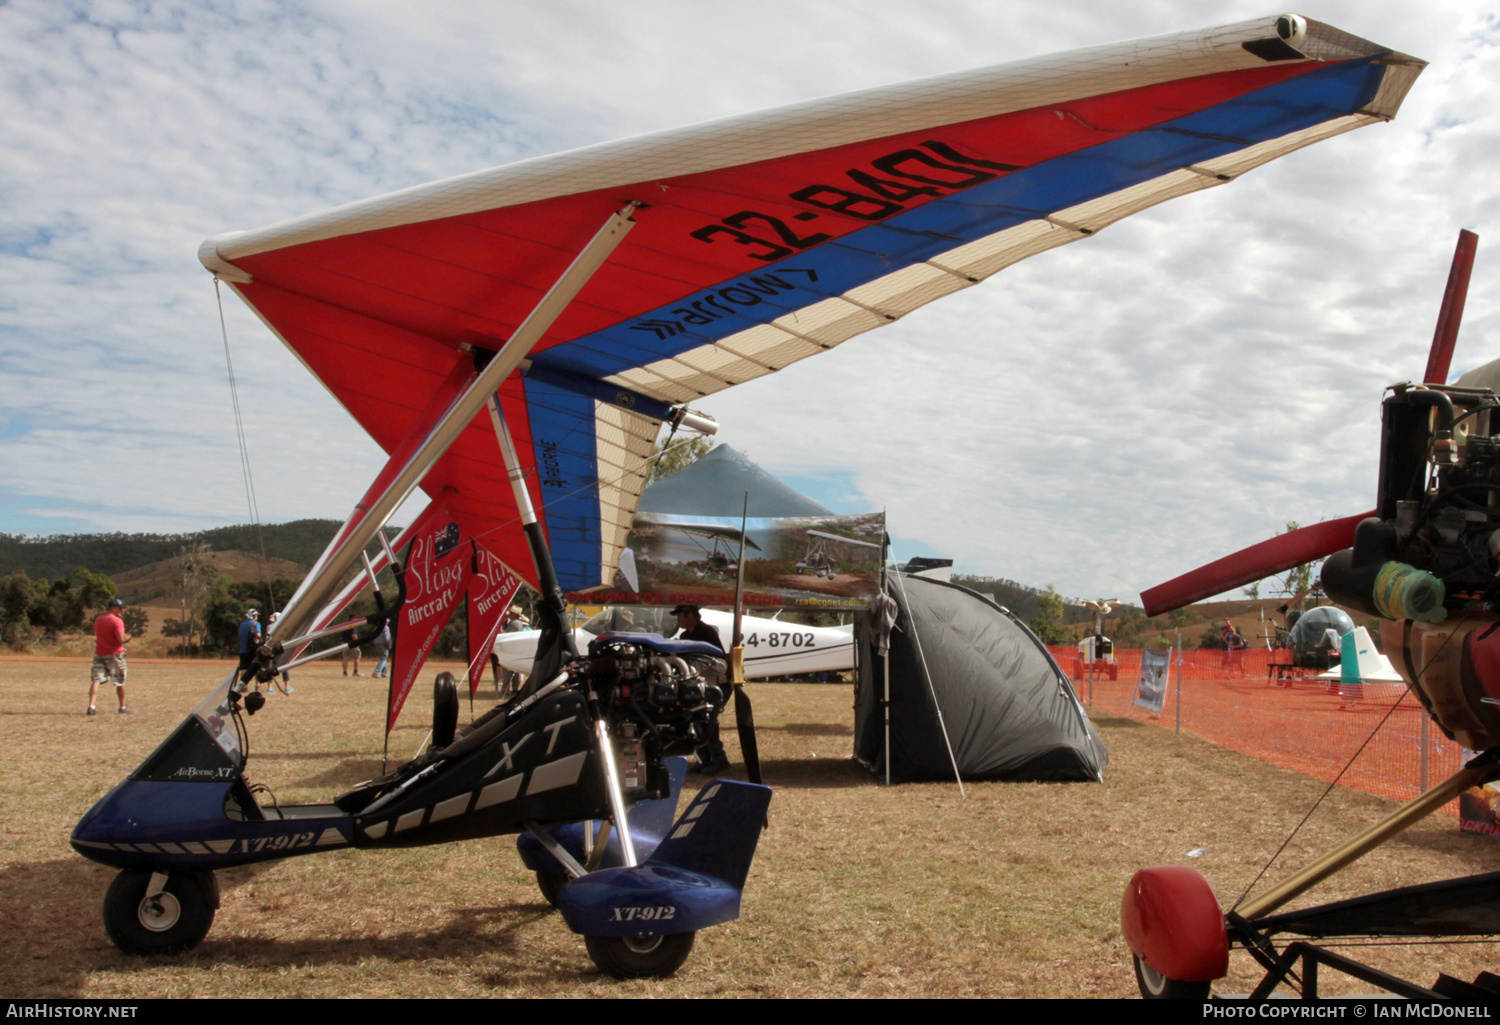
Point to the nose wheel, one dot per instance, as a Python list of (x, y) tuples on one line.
[(1156, 986), (153, 913), (639, 957)]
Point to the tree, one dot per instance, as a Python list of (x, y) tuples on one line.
[(195, 574), (136, 620), (1047, 624), (16, 595), (682, 454), (1298, 578)]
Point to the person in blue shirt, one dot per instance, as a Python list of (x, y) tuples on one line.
[(249, 638)]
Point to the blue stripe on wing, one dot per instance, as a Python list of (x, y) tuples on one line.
[(835, 267), (563, 439)]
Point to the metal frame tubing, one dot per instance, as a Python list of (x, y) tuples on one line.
[(321, 584), (552, 594), (1403, 818)]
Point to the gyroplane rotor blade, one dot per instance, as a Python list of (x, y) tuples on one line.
[(1248, 565), (1452, 310), (1321, 539)]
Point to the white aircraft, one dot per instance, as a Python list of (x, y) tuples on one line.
[(772, 648)]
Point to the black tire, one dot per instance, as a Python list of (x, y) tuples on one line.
[(174, 920), (639, 957), (444, 710), (1156, 986), (550, 883)]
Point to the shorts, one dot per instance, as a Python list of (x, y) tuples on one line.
[(109, 668)]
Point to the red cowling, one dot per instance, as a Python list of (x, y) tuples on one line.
[(1171, 919), (1282, 552)]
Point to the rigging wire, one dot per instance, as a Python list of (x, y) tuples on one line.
[(1347, 765), (239, 428)]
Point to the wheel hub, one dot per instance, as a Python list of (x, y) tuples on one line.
[(159, 913), (642, 944)]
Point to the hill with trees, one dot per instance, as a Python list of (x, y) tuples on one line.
[(56, 555)]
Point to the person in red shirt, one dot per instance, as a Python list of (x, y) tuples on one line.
[(110, 639)]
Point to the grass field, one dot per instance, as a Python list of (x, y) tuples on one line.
[(857, 890)]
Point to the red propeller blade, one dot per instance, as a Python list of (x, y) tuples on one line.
[(1452, 312), (1254, 563)]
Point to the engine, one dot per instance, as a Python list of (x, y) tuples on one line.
[(1428, 561), (661, 697)]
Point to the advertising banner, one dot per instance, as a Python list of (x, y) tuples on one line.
[(492, 586), (804, 562), (437, 574), (1156, 666)]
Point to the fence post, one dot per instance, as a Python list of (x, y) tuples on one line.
[(1426, 747), (1179, 683)]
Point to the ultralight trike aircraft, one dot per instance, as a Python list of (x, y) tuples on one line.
[(515, 338), (1426, 560)]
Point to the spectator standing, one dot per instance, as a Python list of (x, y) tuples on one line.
[(249, 638), (350, 652), (382, 646), (690, 627), (508, 683), (110, 639)]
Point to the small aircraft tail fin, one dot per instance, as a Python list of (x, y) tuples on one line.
[(717, 834), (1361, 662)]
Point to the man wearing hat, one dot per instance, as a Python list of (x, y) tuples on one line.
[(110, 639), (690, 627)]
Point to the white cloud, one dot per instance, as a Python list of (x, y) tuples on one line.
[(1100, 417)]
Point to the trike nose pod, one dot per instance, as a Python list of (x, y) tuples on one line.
[(640, 921), (1171, 919)]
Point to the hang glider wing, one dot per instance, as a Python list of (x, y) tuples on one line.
[(760, 240), (841, 538), (711, 530)]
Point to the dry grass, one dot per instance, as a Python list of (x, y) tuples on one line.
[(857, 890)]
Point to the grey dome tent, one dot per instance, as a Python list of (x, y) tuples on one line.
[(716, 485), (1007, 707)]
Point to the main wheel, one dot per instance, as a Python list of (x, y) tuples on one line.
[(550, 883), (1156, 986), (639, 957), (173, 920)]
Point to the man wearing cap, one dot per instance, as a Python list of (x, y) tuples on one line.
[(690, 627), (110, 639), (249, 638)]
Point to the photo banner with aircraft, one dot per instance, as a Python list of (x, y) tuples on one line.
[(804, 562)]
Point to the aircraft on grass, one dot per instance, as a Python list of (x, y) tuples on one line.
[(817, 560), (1425, 561), (515, 338), (723, 550), (772, 648)]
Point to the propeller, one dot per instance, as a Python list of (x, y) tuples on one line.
[(1320, 540), (744, 715)]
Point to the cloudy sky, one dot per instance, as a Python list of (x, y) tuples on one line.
[(1099, 418)]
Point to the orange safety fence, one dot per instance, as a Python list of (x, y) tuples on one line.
[(1253, 703)]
